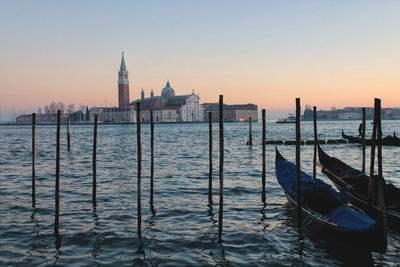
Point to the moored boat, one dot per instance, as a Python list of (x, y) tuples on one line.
[(386, 141), (289, 119), (325, 206), (320, 201), (354, 184)]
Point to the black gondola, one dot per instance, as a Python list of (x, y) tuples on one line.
[(390, 140), (354, 184), (321, 203)]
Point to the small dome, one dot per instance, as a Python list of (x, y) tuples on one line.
[(168, 91)]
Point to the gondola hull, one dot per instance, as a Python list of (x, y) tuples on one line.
[(320, 200), (356, 192), (323, 221), (387, 141), (324, 206)]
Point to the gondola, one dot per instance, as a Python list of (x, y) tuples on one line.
[(354, 184), (321, 202), (390, 140)]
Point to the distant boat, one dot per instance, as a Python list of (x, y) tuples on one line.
[(290, 119), (387, 141)]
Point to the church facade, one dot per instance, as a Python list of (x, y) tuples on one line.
[(169, 107)]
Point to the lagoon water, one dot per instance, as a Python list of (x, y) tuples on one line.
[(183, 229)]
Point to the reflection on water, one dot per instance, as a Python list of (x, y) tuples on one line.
[(181, 227)]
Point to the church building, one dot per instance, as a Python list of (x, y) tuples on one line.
[(169, 107)]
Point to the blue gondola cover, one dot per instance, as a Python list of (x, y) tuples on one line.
[(322, 198)]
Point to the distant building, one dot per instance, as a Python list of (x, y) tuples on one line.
[(349, 115), (49, 118), (113, 115), (232, 112), (160, 115), (169, 107)]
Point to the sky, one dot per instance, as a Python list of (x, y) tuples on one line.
[(328, 53)]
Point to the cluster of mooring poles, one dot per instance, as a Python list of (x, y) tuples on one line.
[(139, 166), (376, 141)]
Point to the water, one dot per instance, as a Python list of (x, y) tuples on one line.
[(183, 230)]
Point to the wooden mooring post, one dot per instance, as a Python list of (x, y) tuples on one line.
[(33, 160), (210, 165), (68, 134), (139, 177), (373, 145), (363, 142), (378, 196), (299, 206), (381, 181), (263, 198), (221, 166), (315, 143), (379, 135), (94, 184), (151, 158), (57, 191), (250, 133)]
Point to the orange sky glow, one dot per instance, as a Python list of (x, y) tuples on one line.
[(338, 54)]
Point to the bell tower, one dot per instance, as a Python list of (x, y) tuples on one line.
[(123, 86)]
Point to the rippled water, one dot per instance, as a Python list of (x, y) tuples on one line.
[(183, 229)]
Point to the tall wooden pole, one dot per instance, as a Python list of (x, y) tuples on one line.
[(221, 165), (33, 161), (68, 135), (139, 175), (151, 158), (96, 117), (57, 193), (379, 136), (210, 165), (250, 133), (363, 140), (381, 181), (373, 144), (263, 198), (315, 143), (299, 206)]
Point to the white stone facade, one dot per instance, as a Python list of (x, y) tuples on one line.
[(349, 116), (159, 116), (113, 115), (192, 111)]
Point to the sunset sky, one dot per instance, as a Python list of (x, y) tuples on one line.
[(329, 53)]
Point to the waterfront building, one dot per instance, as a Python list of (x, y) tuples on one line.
[(48, 118), (349, 115), (232, 112), (169, 107), (160, 115), (113, 115)]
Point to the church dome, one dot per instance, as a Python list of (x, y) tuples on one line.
[(168, 91)]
